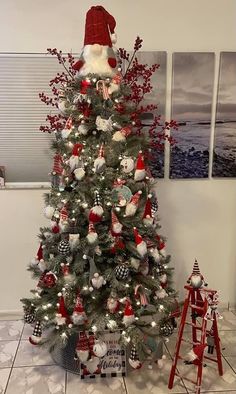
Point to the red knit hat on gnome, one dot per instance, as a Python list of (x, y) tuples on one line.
[(97, 26)]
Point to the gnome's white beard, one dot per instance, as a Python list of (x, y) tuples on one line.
[(95, 60)]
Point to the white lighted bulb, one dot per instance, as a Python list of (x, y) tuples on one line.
[(153, 324)]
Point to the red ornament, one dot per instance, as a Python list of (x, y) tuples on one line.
[(84, 85), (49, 280)]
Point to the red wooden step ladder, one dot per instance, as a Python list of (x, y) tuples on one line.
[(198, 301)]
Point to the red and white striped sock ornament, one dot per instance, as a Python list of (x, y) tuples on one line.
[(140, 171), (122, 134), (36, 337), (96, 212), (139, 293), (67, 129), (74, 159), (100, 163), (82, 347), (62, 316), (141, 245), (134, 359), (92, 234), (132, 205), (116, 226), (101, 87), (57, 164), (147, 215)]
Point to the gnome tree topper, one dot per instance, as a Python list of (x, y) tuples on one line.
[(98, 55)]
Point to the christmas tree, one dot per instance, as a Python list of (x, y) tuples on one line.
[(102, 263)]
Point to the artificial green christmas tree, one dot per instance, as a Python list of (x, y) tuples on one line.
[(102, 262)]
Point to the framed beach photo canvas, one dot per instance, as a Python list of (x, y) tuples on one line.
[(191, 107), (224, 154), (158, 97)]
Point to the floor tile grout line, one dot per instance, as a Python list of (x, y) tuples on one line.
[(225, 358), (5, 391), (185, 387), (126, 388)]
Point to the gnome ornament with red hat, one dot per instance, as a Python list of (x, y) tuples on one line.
[(132, 205), (128, 317), (92, 234), (82, 347), (62, 316), (98, 56), (79, 316), (140, 171), (147, 215), (116, 226), (74, 159), (141, 245)]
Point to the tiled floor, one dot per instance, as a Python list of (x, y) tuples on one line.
[(25, 369)]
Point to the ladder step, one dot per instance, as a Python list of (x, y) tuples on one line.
[(199, 308), (212, 359), (184, 378), (194, 325), (190, 342)]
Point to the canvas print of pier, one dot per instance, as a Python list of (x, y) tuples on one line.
[(157, 96), (224, 154), (192, 89)]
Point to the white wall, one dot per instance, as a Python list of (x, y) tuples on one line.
[(198, 216)]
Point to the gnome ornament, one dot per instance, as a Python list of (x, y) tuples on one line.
[(67, 129), (121, 135), (79, 316), (79, 173), (128, 317), (100, 163), (62, 316), (57, 170), (147, 215), (36, 337), (132, 205), (73, 240), (98, 56), (74, 159), (153, 252), (113, 304), (134, 359), (140, 171), (141, 246), (83, 128), (196, 279), (29, 315), (195, 355), (82, 347), (98, 281), (39, 260), (115, 84), (92, 234), (104, 123), (116, 226), (96, 212)]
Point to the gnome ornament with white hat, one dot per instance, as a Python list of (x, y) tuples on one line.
[(132, 205), (98, 56), (141, 245), (128, 317), (140, 171), (196, 279)]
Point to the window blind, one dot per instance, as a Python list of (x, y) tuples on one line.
[(24, 150)]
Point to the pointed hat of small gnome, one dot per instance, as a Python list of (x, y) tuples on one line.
[(96, 212), (62, 316), (92, 234), (147, 215), (100, 162), (67, 129), (64, 213), (36, 337), (115, 224), (82, 347), (141, 246), (132, 205), (134, 359), (195, 355), (74, 159), (128, 317), (140, 171), (40, 253)]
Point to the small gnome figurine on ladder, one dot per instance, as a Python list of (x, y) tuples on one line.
[(196, 279)]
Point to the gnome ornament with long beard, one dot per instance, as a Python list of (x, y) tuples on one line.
[(97, 56)]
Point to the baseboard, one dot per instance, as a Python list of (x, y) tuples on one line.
[(13, 314)]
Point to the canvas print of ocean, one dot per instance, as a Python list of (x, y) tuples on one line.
[(158, 97), (224, 154), (191, 106)]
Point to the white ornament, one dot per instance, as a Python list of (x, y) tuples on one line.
[(92, 364), (127, 164), (98, 281), (104, 124), (79, 173), (49, 211), (83, 129), (99, 348)]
